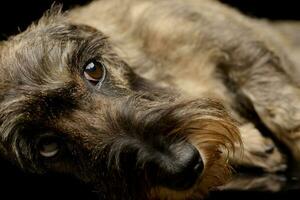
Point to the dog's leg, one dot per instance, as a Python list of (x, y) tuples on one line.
[(258, 151), (260, 67), (260, 75), (265, 182)]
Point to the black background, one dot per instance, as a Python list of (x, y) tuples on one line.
[(15, 16)]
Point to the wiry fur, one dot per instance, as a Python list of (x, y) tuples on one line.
[(175, 69)]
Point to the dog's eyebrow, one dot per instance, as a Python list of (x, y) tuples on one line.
[(83, 42), (92, 47), (69, 31)]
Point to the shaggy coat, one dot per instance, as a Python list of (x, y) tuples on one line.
[(179, 80)]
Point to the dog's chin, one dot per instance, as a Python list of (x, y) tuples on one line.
[(167, 193)]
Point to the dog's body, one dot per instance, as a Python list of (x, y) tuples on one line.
[(130, 127)]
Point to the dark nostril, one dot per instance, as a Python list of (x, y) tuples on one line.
[(183, 172)]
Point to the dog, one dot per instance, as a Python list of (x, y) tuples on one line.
[(149, 99)]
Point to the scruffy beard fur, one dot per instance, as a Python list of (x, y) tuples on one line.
[(179, 76)]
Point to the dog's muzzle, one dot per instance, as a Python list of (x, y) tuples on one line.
[(155, 150)]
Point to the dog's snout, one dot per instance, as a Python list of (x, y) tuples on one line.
[(178, 169)]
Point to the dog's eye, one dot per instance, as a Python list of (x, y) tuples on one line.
[(94, 72), (49, 147)]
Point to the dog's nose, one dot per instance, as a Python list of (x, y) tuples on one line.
[(179, 169)]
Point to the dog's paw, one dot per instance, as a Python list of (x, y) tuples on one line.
[(266, 182), (259, 151)]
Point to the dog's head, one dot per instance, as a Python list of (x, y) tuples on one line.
[(69, 104)]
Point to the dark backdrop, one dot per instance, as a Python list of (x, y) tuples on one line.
[(15, 16)]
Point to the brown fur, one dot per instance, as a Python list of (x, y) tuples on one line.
[(160, 55)]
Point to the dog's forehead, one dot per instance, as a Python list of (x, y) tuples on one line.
[(31, 58), (43, 49)]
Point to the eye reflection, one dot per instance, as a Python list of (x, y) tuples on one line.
[(94, 72)]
